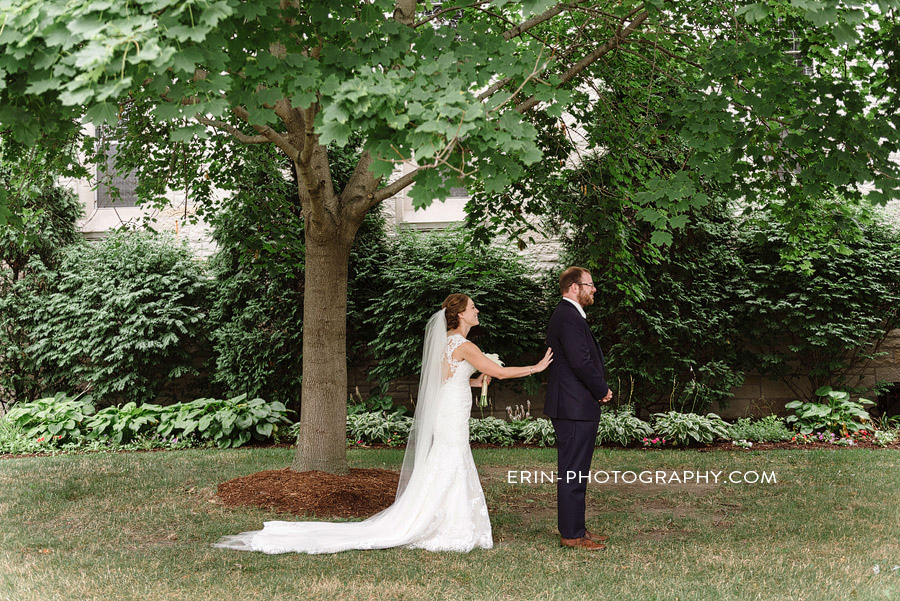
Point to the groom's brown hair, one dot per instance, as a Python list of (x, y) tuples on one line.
[(570, 276)]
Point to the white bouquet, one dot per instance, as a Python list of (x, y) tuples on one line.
[(484, 386)]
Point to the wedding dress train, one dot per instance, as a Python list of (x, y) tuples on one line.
[(440, 504)]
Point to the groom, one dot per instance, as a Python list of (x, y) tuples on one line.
[(575, 390)]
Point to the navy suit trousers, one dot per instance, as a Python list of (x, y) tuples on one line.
[(575, 440)]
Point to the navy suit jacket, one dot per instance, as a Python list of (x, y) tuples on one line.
[(577, 382)]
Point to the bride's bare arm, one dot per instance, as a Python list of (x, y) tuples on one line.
[(473, 355)]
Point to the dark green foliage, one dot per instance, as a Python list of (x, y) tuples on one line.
[(422, 270), (257, 310), (46, 221), (664, 317), (810, 318), (48, 215), (122, 318)]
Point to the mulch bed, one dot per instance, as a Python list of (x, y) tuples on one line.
[(363, 492)]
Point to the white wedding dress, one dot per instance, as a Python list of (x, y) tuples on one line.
[(439, 506)]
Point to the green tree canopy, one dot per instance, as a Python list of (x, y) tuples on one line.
[(463, 89)]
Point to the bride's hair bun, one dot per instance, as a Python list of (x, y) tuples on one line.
[(454, 305)]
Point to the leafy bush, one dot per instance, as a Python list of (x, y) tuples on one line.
[(47, 216), (423, 270), (378, 427), (837, 414), (538, 431), (681, 429), (59, 417), (622, 426), (767, 429), (667, 320), (227, 423), (816, 314), (490, 430), (122, 424), (122, 317)]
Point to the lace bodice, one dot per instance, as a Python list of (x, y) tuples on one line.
[(455, 369)]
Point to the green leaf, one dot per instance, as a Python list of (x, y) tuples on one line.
[(845, 34), (661, 238), (104, 113), (334, 132), (754, 13)]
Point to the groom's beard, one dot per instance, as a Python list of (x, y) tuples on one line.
[(585, 298)]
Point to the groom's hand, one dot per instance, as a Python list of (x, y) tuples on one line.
[(607, 398)]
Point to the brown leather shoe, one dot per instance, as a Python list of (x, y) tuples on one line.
[(581, 543), (597, 538)]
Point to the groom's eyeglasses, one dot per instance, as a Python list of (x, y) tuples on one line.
[(591, 284)]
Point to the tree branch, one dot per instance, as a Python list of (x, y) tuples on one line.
[(438, 13), (588, 60), (534, 21), (405, 12), (654, 67), (395, 186), (272, 135), (235, 132)]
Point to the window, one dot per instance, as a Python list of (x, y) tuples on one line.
[(110, 180)]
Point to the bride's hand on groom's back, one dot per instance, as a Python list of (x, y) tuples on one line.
[(545, 362)]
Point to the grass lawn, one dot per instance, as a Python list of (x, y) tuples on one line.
[(138, 526)]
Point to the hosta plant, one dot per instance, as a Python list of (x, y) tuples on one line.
[(538, 431), (836, 414), (122, 424), (377, 427), (622, 426), (59, 417), (490, 430), (228, 423), (682, 429)]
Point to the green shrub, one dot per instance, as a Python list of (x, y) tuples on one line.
[(538, 431), (227, 423), (376, 427), (123, 317), (767, 429), (818, 313), (47, 222), (123, 424), (423, 270), (59, 417), (837, 414), (682, 429), (490, 430), (622, 426), (667, 318)]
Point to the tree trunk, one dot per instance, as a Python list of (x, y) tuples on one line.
[(322, 443)]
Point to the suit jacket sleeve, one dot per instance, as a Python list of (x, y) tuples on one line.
[(577, 347)]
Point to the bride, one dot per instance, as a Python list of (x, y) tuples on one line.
[(439, 504)]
